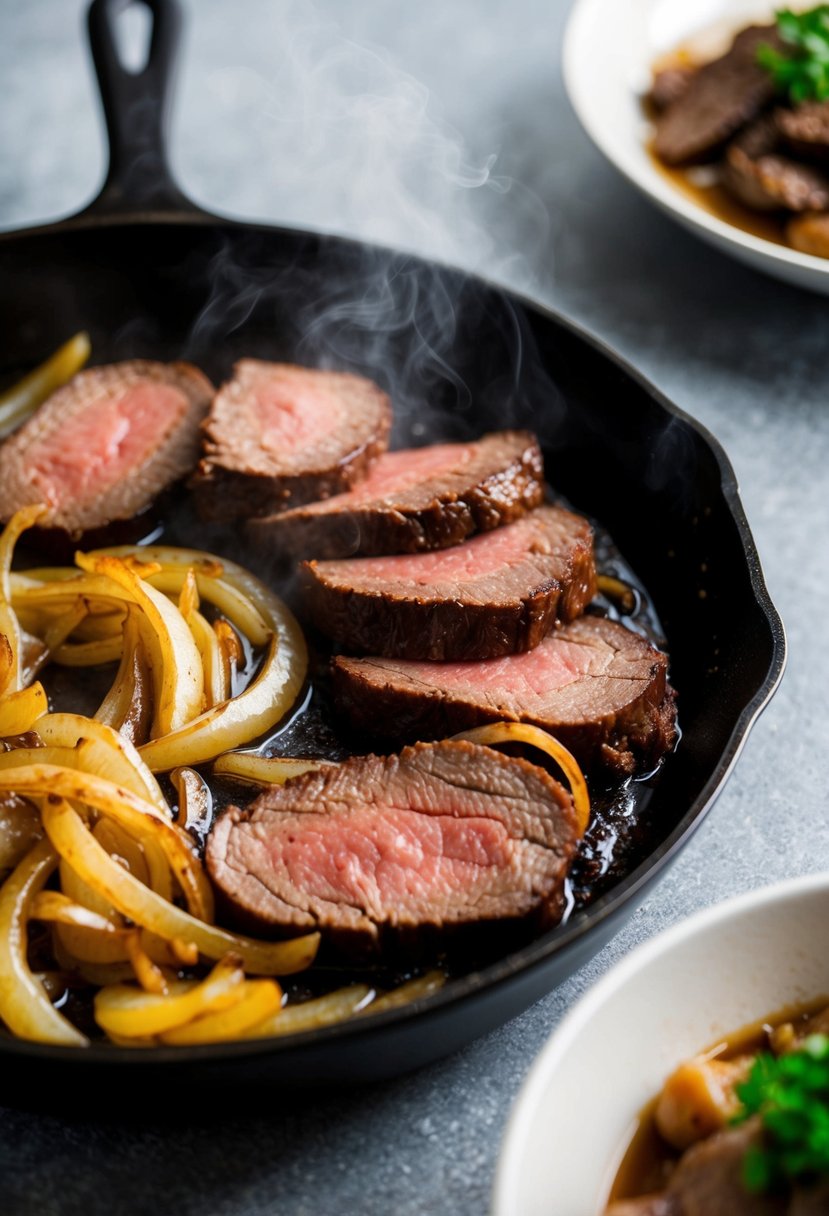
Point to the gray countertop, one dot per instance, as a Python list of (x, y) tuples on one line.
[(444, 127)]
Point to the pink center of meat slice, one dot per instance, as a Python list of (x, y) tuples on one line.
[(552, 665), (387, 858), (294, 411), (106, 441), (483, 555), (395, 472)]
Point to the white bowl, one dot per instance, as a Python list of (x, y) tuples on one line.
[(609, 48), (721, 969)]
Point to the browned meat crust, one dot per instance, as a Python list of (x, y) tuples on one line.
[(546, 575), (500, 482), (617, 710), (243, 475), (442, 835)]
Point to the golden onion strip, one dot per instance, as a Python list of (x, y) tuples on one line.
[(177, 672), (88, 654), (70, 837), (238, 606), (135, 815), (23, 398), (195, 802), (522, 732), (127, 707), (149, 975), (265, 770), (214, 665), (128, 1012), (24, 1005), (253, 712), (20, 710), (309, 1015), (56, 633), (54, 906), (413, 990), (6, 663), (9, 624), (261, 1000), (103, 752)]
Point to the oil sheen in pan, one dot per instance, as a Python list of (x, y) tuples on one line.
[(620, 834)]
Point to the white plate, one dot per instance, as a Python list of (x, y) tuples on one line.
[(722, 969), (609, 48)]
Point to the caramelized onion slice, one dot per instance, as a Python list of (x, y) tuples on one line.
[(261, 1000), (20, 710), (253, 712), (93, 864), (103, 751), (24, 1005), (522, 732), (128, 706), (265, 770), (135, 815), (309, 1015), (177, 671), (9, 624), (413, 990), (23, 398), (129, 1012)]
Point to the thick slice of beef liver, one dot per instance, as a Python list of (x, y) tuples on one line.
[(598, 687), (417, 499), (442, 835), (758, 176), (805, 129), (104, 446), (498, 593), (278, 435), (720, 98)]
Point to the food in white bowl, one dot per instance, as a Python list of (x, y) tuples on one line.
[(748, 131), (672, 998), (610, 53)]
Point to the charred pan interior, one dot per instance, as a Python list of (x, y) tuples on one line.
[(458, 358)]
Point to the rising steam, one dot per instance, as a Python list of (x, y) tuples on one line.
[(340, 123)]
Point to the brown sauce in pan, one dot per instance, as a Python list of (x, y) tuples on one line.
[(649, 1160)]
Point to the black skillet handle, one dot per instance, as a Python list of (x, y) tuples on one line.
[(136, 108)]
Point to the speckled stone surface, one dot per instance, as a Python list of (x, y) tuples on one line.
[(457, 141)]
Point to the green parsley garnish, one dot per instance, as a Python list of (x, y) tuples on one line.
[(802, 69), (790, 1094)]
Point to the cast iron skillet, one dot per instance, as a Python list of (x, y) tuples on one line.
[(149, 274)]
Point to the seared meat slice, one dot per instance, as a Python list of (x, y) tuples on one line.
[(708, 1179), (104, 446), (445, 834), (277, 436), (595, 685), (421, 498), (708, 1182), (805, 129), (720, 98), (498, 593), (755, 173)]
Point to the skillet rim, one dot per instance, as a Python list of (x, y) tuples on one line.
[(464, 990)]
